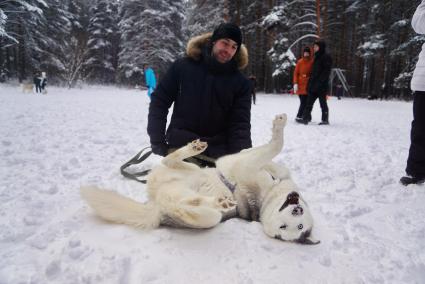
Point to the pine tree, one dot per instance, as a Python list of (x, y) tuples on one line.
[(150, 34), (102, 30), (19, 23), (204, 16), (293, 26), (53, 38)]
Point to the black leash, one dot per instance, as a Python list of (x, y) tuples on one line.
[(200, 160), (140, 157)]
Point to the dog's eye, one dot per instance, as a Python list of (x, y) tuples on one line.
[(300, 226), (283, 227)]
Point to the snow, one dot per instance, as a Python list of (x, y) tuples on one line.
[(271, 19), (400, 23), (371, 228)]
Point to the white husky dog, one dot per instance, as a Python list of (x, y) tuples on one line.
[(246, 185)]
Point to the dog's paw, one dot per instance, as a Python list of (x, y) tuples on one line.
[(226, 203), (197, 146), (280, 120), (279, 123)]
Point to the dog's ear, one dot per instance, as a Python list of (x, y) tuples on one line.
[(284, 205), (308, 241)]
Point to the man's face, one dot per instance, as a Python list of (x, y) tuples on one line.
[(224, 49), (316, 48), (306, 54)]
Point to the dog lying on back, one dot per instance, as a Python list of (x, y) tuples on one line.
[(247, 185)]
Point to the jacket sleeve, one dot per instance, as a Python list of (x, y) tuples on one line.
[(150, 78), (418, 20), (147, 77), (162, 99), (326, 69), (296, 73), (239, 129)]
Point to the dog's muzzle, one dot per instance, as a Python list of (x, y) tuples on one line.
[(293, 198)]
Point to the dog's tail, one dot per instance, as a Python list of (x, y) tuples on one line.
[(119, 209)]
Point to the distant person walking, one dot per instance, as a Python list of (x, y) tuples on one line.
[(150, 80), (301, 76), (37, 82), (416, 161), (253, 81), (43, 82), (339, 91), (318, 84)]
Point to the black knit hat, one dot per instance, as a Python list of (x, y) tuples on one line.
[(321, 44), (228, 30)]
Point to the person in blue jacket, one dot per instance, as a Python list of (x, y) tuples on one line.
[(150, 80), (211, 97)]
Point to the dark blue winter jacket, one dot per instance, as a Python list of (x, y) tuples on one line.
[(211, 102), (321, 71)]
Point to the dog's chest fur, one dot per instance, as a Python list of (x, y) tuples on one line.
[(209, 183), (249, 202), (248, 197), (249, 192)]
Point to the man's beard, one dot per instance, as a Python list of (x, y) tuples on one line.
[(222, 56), (216, 66)]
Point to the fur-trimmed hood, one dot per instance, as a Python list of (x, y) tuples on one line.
[(195, 45)]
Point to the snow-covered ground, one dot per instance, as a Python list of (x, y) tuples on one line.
[(371, 228)]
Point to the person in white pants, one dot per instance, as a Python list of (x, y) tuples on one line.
[(416, 161)]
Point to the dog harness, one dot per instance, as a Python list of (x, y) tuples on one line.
[(226, 182)]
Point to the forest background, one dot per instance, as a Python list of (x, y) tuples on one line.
[(109, 41)]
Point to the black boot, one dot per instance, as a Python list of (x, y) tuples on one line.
[(325, 118), (306, 115), (303, 120), (406, 180)]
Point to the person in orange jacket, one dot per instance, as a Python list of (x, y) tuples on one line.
[(301, 75)]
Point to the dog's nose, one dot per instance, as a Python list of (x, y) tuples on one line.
[(293, 198), (297, 211)]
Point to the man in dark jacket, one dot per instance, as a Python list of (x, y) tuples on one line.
[(318, 84), (212, 99)]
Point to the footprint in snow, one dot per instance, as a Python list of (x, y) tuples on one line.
[(353, 212)]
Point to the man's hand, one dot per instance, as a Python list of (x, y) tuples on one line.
[(160, 149), (295, 88)]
